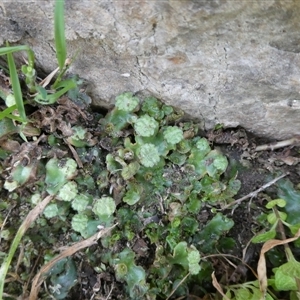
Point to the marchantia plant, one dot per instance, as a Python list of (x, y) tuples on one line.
[(164, 173), (152, 174)]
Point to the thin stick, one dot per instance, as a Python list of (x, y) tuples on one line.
[(31, 217), (254, 194), (281, 144), (181, 281), (108, 296), (39, 278)]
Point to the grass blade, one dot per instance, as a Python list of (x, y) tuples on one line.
[(6, 50), (9, 50), (16, 86), (59, 33), (31, 217)]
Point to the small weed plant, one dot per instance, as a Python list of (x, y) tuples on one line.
[(37, 92)]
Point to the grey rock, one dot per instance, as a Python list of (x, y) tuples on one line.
[(230, 62)]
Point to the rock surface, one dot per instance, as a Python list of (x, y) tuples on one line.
[(230, 62)]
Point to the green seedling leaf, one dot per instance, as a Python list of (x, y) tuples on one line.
[(30, 77), (212, 232), (293, 228), (173, 135), (272, 217), (216, 163), (198, 153), (148, 155), (177, 158), (133, 194), (68, 191), (291, 268), (167, 109), (292, 198), (284, 282), (266, 236), (276, 202), (57, 268), (115, 121), (42, 92), (211, 186), (194, 204), (79, 138), (131, 197), (190, 225), (105, 206), (91, 228), (135, 276), (152, 107), (10, 100), (127, 102), (157, 140), (51, 211), (121, 270), (180, 255), (59, 33), (111, 164), (193, 261), (184, 146), (145, 126), (58, 172), (19, 176), (81, 202), (7, 127), (130, 170), (79, 222), (63, 282), (202, 146), (63, 87), (242, 294)]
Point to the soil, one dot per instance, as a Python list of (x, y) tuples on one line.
[(254, 169)]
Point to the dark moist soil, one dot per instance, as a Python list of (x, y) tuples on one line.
[(254, 169)]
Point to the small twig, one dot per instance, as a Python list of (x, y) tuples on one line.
[(75, 155), (181, 281), (281, 144), (39, 277), (5, 220), (254, 194), (230, 255), (108, 296), (31, 217)]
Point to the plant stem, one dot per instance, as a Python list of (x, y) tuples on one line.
[(33, 214)]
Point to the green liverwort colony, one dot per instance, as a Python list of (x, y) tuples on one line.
[(152, 174)]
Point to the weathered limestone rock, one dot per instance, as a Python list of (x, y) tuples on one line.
[(230, 62)]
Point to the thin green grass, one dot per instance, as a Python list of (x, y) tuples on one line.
[(60, 40), (59, 34), (16, 87), (62, 88), (42, 96)]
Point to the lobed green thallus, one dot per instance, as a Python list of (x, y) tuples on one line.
[(153, 177)]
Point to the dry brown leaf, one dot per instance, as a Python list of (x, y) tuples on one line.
[(39, 278), (217, 285), (290, 160), (262, 268)]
